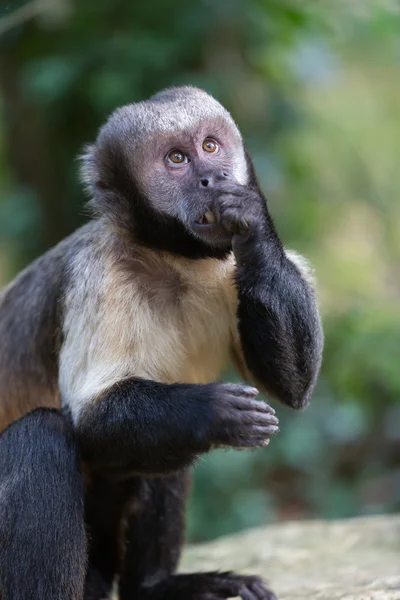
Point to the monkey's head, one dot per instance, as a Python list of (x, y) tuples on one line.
[(157, 165)]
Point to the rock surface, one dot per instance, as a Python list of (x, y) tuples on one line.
[(357, 559)]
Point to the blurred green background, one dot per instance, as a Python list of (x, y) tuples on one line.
[(315, 89)]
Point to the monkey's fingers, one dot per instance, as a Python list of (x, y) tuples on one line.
[(264, 431), (235, 222), (239, 389), (251, 436), (247, 404), (252, 417), (233, 189), (246, 443)]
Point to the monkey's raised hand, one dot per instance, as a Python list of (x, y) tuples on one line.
[(238, 419), (240, 210)]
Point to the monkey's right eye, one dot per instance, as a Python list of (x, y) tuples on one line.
[(176, 158)]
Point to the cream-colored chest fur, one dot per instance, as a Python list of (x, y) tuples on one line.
[(164, 320)]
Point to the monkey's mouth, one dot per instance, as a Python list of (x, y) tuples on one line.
[(208, 218), (209, 229)]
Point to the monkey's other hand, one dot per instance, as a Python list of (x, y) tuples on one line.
[(240, 209), (238, 419)]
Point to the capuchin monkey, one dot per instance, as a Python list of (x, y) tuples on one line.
[(111, 347)]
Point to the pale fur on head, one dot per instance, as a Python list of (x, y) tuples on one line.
[(172, 111)]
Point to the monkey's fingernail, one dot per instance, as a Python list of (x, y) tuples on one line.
[(266, 442), (251, 391), (210, 217)]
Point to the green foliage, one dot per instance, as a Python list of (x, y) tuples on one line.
[(314, 87)]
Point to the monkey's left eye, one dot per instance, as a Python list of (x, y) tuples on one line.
[(210, 145), (176, 158)]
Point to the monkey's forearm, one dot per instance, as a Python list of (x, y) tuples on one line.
[(147, 427), (143, 426), (279, 323)]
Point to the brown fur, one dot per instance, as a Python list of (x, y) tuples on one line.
[(30, 338)]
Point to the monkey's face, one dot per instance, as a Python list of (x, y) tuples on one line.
[(182, 174), (158, 167)]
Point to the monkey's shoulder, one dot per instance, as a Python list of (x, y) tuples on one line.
[(31, 330)]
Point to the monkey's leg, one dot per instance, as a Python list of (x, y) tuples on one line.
[(42, 529), (105, 504), (154, 538), (154, 533)]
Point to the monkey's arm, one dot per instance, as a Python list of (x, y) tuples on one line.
[(278, 323), (278, 320), (140, 426)]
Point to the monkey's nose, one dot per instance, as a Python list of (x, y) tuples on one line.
[(213, 179)]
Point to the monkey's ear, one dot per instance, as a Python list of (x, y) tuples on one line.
[(99, 172), (89, 169)]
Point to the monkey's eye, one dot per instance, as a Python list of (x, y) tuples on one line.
[(210, 145), (176, 158)]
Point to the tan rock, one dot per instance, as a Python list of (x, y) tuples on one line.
[(356, 559)]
